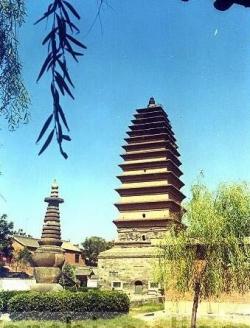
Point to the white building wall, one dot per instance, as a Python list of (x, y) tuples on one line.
[(16, 284)]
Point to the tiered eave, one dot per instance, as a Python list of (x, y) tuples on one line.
[(150, 190)]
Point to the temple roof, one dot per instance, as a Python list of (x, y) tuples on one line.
[(31, 242)]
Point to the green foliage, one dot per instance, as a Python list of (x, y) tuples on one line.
[(183, 322), (13, 94), (5, 296), (6, 231), (123, 321), (68, 278), (93, 246), (59, 305), (22, 257), (147, 307), (25, 255), (1, 305), (213, 247), (212, 255), (78, 289), (61, 44), (233, 203)]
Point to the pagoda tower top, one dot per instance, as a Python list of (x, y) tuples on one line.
[(54, 194), (51, 232), (151, 102)]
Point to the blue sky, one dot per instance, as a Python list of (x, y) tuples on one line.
[(193, 59)]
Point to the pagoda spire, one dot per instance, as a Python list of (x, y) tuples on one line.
[(51, 232), (151, 102)]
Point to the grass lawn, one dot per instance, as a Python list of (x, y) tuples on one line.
[(125, 321), (144, 308), (119, 322), (202, 323)]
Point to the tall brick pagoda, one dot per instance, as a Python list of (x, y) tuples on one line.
[(149, 203), (150, 195)]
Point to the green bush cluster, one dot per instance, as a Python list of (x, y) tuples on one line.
[(74, 305), (77, 289), (5, 296)]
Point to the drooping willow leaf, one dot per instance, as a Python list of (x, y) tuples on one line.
[(14, 98), (45, 127), (62, 45)]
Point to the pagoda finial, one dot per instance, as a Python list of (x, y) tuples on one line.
[(54, 183), (151, 102), (54, 189)]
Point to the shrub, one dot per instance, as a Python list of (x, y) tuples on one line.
[(5, 296), (77, 289), (68, 278), (1, 305), (61, 305)]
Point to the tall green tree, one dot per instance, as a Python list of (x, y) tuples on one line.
[(6, 231), (212, 255), (93, 246)]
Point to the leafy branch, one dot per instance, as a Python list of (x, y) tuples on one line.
[(13, 94), (61, 44)]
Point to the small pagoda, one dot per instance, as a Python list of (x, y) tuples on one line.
[(48, 259), (149, 203)]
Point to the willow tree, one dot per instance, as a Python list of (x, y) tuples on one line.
[(210, 256), (14, 98)]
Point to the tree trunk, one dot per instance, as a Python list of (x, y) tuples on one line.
[(197, 289)]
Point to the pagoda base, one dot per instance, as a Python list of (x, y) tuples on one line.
[(46, 287), (48, 261), (130, 269), (49, 256), (45, 275)]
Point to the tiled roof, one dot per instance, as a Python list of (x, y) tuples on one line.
[(84, 271), (67, 245), (26, 241), (33, 243)]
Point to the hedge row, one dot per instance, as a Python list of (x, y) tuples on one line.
[(60, 305), (5, 296), (77, 289)]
